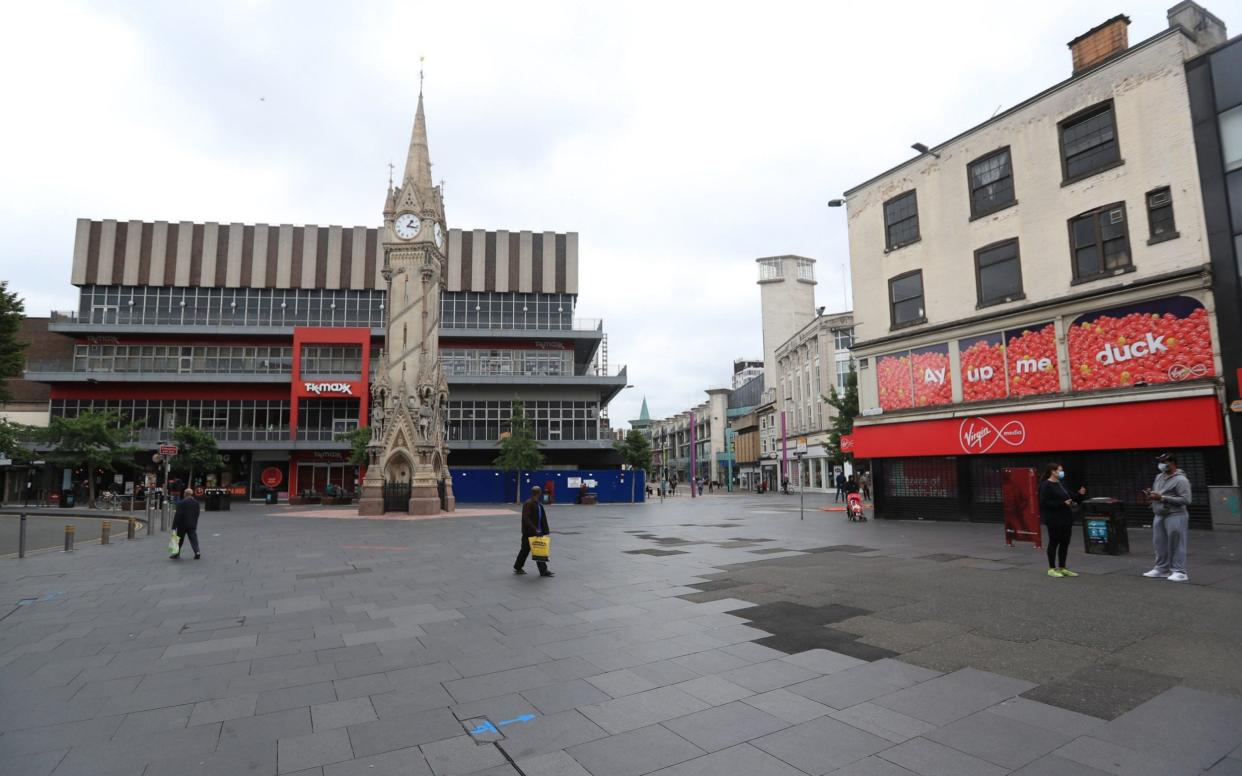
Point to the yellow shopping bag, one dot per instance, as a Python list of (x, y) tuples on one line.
[(540, 547)]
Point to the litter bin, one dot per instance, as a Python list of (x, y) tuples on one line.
[(67, 499), (211, 500), (1103, 528), (269, 498)]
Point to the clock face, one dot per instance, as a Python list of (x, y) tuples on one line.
[(439, 233), (407, 226)]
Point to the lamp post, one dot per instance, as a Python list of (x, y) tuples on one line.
[(693, 469)]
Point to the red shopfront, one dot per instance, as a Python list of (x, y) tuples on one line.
[(950, 468)]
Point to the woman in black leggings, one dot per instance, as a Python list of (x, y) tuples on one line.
[(1056, 511)]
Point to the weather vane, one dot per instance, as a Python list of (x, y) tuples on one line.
[(420, 75), (390, 169)]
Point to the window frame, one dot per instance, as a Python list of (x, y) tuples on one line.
[(970, 186), (892, 305), (1080, 116), (1017, 257), (1172, 234), (1104, 271), (889, 246)]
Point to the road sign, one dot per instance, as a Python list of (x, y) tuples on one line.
[(168, 449), (1235, 405)]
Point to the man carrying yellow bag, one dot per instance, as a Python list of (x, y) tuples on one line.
[(535, 535)]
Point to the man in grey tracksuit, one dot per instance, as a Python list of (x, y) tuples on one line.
[(1169, 497)]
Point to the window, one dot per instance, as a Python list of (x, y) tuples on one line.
[(1089, 142), (998, 273), (905, 298), (991, 183), (844, 338), (901, 220), (843, 373), (1099, 242), (770, 269), (1160, 215), (806, 269)]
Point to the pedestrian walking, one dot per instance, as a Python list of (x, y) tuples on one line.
[(27, 493), (534, 523), (185, 523), (864, 482), (1056, 511), (1169, 497), (840, 486)]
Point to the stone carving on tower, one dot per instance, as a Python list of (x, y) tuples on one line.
[(409, 396)]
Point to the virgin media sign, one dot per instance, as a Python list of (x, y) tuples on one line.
[(1193, 422)]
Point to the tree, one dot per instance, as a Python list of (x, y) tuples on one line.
[(846, 407), (12, 436), (196, 450), (358, 440), (95, 440), (12, 352), (519, 451), (635, 450)]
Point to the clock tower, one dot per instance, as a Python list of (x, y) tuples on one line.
[(409, 396)]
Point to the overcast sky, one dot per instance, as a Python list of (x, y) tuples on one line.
[(680, 140)]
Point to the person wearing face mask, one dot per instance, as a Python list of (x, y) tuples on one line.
[(1056, 511), (1169, 497)]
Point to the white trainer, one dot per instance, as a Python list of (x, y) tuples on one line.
[(1178, 576), (1156, 573)]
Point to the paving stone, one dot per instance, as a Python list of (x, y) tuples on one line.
[(358, 686), (548, 734), (929, 758), (769, 675), (1182, 724), (725, 726), (1000, 740), (1051, 765), (461, 755), (712, 661), (953, 696), (885, 723), (258, 759), (788, 706), (295, 697), (713, 690), (62, 736), (1102, 690), (866, 682), (410, 701), (300, 752), (400, 762), (665, 672), (643, 709), (634, 753), (500, 683), (501, 707), (565, 695), (403, 731), (1118, 760), (38, 764), (339, 714), (622, 682), (742, 760), (553, 764), (820, 745), (822, 661), (225, 708), (1229, 766), (211, 645), (153, 722), (266, 727), (1064, 721), (872, 766)]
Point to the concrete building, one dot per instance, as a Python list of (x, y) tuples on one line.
[(703, 427), (745, 370), (1089, 332)]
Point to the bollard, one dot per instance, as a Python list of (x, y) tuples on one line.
[(133, 526), (150, 521), (69, 529), (21, 537), (105, 531), (163, 519)]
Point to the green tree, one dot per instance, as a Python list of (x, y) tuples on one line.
[(196, 451), (358, 440), (519, 451), (94, 440), (12, 352), (635, 450), (846, 406), (12, 439)]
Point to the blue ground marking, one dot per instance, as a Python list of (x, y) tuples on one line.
[(522, 718), (488, 727)]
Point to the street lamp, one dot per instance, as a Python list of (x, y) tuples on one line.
[(922, 149), (836, 202)]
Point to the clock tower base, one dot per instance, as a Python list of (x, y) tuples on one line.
[(371, 503), (424, 501)]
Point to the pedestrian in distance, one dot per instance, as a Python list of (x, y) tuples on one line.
[(1169, 497), (534, 523), (185, 523), (1056, 511), (864, 482)]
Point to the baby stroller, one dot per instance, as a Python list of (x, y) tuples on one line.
[(854, 508)]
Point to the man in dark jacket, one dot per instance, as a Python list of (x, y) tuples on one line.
[(185, 523), (534, 523)]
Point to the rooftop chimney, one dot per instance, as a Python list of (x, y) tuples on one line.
[(1101, 43), (1199, 23)]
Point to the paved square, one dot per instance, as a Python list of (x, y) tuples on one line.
[(338, 646)]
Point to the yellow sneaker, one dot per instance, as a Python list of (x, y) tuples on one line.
[(1055, 573), (1067, 573)]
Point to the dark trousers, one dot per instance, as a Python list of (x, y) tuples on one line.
[(840, 493), (1058, 545), (190, 532), (524, 554)]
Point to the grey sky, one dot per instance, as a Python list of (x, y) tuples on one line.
[(681, 140)]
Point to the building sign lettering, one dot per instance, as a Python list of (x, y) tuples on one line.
[(322, 388)]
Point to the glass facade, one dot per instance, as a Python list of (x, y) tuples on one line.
[(191, 306), (177, 358), (331, 360), (478, 361), (484, 421), (490, 310), (228, 420), (323, 419)]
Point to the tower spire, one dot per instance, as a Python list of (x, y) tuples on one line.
[(418, 160)]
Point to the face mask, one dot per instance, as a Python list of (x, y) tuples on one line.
[(1061, 474), (1162, 466)]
